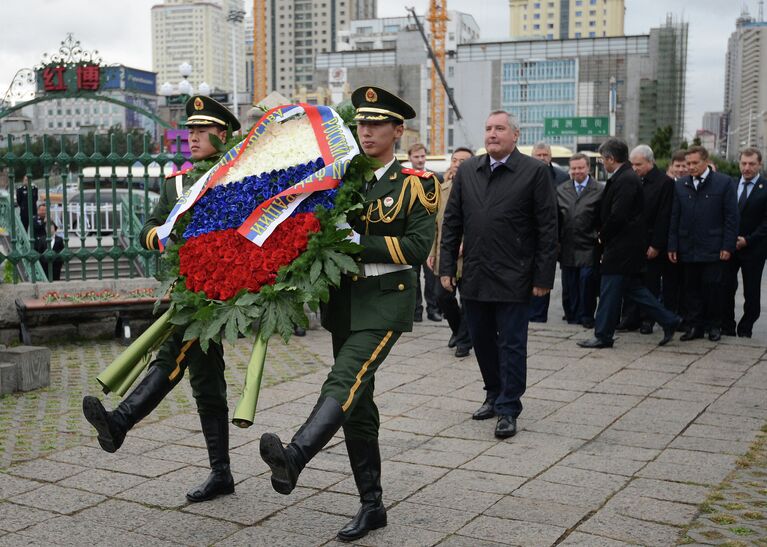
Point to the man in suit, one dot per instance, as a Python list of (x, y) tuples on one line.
[(22, 199), (658, 194), (503, 207), (622, 236), (416, 154), (368, 313), (678, 165), (56, 246), (578, 212), (539, 305), (205, 118), (750, 247), (448, 303), (702, 236)]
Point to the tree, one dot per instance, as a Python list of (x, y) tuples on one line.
[(661, 142), (696, 141)]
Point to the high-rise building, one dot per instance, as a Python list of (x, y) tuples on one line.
[(745, 88), (712, 122), (198, 32), (290, 33), (560, 19)]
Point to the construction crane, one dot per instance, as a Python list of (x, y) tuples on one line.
[(435, 47), (260, 51)]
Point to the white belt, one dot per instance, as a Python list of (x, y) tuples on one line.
[(372, 270)]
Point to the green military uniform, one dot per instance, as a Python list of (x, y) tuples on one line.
[(367, 314), (175, 355)]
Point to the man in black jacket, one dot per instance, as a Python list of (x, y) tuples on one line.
[(622, 236), (22, 199), (702, 236), (658, 193), (750, 247), (502, 204)]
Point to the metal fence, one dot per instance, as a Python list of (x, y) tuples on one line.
[(97, 202)]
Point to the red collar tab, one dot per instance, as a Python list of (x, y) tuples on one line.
[(417, 173), (177, 173)]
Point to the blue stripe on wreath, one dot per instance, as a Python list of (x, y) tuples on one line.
[(228, 206)]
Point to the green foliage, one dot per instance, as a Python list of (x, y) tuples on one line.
[(696, 141), (661, 142), (8, 272)]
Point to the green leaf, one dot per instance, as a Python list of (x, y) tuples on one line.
[(315, 271), (230, 330), (332, 271)]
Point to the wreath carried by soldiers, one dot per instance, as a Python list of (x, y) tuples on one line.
[(258, 237)]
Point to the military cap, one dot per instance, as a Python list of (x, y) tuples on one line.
[(202, 110), (374, 104)]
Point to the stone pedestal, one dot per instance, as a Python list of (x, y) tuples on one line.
[(30, 365)]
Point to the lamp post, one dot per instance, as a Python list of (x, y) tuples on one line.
[(613, 104), (235, 16), (179, 93)]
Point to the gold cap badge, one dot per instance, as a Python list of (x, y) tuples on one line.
[(370, 95), (198, 104)]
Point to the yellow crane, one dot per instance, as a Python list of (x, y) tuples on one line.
[(437, 19), (260, 51)]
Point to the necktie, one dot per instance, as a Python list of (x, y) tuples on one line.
[(579, 189), (743, 195), (494, 165)]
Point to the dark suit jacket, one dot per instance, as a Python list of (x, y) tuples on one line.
[(508, 221), (578, 217), (622, 233), (58, 246), (658, 190), (753, 222), (703, 221)]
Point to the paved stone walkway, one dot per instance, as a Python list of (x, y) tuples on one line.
[(617, 447)]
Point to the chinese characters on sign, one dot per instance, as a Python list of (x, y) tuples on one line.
[(58, 77), (583, 126)]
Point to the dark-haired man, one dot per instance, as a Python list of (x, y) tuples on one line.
[(205, 118), (367, 314), (622, 236), (702, 236)]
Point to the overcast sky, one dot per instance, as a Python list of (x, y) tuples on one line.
[(121, 31)]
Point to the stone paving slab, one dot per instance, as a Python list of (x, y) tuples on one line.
[(615, 447)]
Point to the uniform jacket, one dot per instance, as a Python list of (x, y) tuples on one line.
[(396, 226), (658, 189), (22, 200), (508, 221), (753, 222), (622, 232), (444, 194), (578, 223), (703, 222)]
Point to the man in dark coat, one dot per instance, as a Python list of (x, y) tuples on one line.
[(578, 211), (622, 235), (658, 193), (750, 247), (503, 206), (539, 305), (22, 199), (702, 236)]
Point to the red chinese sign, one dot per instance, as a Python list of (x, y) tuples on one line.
[(58, 77), (53, 78), (88, 77)]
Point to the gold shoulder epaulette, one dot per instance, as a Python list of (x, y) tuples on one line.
[(430, 200)]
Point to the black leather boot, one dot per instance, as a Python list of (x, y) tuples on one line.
[(112, 426), (365, 459), (220, 481), (287, 462)]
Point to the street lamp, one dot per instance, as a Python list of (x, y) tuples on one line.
[(235, 16)]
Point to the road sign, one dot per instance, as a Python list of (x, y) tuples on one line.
[(555, 127)]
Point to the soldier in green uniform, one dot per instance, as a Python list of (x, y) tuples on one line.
[(368, 312), (205, 117)]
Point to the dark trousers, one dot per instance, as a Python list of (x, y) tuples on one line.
[(751, 269), (613, 290), (662, 278), (430, 283), (499, 334), (580, 287), (455, 316), (539, 308), (703, 294)]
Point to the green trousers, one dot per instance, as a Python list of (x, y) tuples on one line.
[(206, 371), (351, 380)]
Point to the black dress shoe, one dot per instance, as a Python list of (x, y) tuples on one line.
[(646, 328), (715, 334), (692, 334), (485, 411), (418, 319), (595, 343), (434, 316), (462, 351), (626, 326), (668, 332), (587, 323), (299, 331), (744, 333), (506, 427), (453, 341)]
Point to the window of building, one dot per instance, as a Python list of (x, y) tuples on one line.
[(537, 5), (593, 2), (391, 28), (577, 34), (549, 36), (593, 12), (592, 34), (536, 27), (577, 24), (536, 16), (550, 25), (578, 13), (592, 23)]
